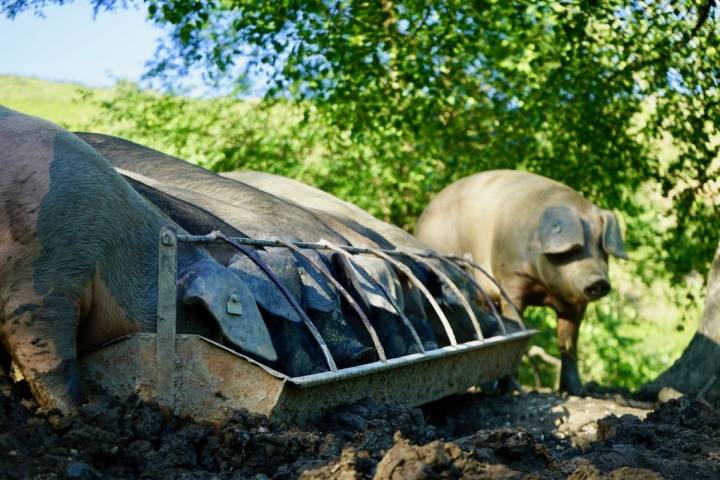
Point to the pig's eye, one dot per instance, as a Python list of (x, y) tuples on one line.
[(564, 257)]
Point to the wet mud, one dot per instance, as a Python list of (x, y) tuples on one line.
[(534, 435)]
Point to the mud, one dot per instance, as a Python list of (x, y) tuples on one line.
[(535, 435)]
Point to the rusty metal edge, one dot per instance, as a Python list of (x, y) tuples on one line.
[(366, 369), (415, 358), (166, 313), (413, 381), (370, 368), (411, 384)]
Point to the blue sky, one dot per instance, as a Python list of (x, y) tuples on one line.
[(69, 45)]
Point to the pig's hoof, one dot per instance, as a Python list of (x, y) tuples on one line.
[(574, 389)]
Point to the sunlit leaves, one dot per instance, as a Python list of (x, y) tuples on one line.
[(417, 94)]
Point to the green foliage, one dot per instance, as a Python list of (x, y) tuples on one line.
[(416, 95), (435, 91), (221, 134), (279, 137), (54, 101)]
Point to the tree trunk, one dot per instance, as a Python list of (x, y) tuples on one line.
[(697, 371)]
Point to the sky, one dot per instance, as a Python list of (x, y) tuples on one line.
[(69, 45)]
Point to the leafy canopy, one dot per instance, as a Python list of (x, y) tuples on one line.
[(415, 95)]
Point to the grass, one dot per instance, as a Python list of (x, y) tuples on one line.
[(59, 102)]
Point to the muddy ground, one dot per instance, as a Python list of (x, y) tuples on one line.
[(535, 435)]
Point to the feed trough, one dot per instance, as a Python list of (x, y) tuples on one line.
[(206, 380)]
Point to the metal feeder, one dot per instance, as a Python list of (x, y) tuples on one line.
[(200, 378)]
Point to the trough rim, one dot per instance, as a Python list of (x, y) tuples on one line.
[(306, 381)]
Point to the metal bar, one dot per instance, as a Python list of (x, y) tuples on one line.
[(286, 293), (215, 237), (442, 352), (482, 291), (370, 368), (320, 267), (166, 315), (416, 281), (398, 309), (504, 294), (452, 286)]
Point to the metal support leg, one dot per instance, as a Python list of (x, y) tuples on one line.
[(166, 314)]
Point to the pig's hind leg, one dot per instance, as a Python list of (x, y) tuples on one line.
[(39, 333)]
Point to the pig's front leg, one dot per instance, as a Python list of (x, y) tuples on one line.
[(568, 327), (41, 341)]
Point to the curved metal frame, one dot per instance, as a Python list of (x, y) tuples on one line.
[(286, 293), (320, 267), (416, 281), (502, 291), (455, 289), (348, 250), (400, 312), (486, 297)]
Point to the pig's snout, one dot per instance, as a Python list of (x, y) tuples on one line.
[(597, 289)]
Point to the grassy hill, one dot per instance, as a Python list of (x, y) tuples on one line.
[(59, 102)]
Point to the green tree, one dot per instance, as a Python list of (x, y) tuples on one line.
[(448, 88), (578, 91)]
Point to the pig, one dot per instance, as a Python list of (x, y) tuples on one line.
[(544, 243), (79, 260), (261, 215), (297, 353), (373, 232)]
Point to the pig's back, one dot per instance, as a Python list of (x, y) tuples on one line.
[(476, 213), (291, 189), (317, 199)]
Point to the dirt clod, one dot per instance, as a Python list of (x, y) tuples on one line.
[(470, 436)]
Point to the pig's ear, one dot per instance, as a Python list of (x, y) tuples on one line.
[(232, 305), (612, 241), (265, 291), (560, 230)]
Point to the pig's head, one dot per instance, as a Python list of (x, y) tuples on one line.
[(573, 252), (220, 293)]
